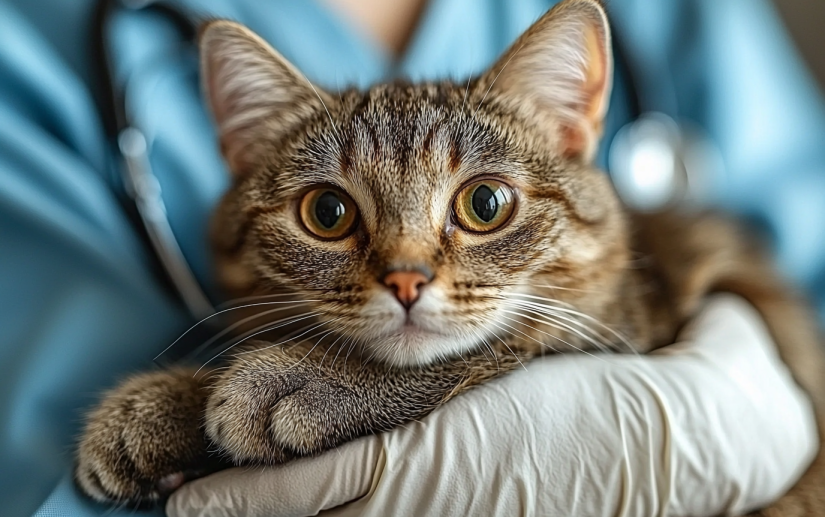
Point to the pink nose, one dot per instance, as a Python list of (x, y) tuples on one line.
[(406, 285)]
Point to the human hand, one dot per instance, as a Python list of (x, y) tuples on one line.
[(711, 425)]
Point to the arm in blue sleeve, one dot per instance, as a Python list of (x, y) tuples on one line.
[(78, 303), (731, 67)]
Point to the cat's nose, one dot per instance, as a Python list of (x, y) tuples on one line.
[(406, 284)]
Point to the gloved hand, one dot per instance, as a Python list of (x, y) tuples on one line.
[(712, 425)]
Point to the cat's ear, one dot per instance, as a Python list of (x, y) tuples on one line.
[(561, 69), (256, 96)]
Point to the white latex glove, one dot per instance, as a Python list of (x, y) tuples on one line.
[(712, 425)]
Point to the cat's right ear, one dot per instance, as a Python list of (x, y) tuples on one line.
[(256, 96), (560, 72)]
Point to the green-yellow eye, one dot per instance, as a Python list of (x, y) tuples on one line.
[(328, 213), (484, 206)]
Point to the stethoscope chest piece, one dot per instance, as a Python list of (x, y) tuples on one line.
[(656, 163)]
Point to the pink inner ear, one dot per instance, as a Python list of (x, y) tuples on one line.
[(572, 142), (235, 156), (253, 92), (597, 77), (218, 109), (577, 140)]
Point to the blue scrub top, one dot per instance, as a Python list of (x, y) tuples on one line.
[(79, 305)]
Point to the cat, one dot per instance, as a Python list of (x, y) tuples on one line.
[(442, 232)]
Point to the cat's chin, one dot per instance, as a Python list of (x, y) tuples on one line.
[(412, 346)]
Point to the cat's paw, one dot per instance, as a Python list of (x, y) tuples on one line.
[(271, 408), (144, 440)]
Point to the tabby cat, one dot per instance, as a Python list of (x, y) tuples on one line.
[(440, 232)]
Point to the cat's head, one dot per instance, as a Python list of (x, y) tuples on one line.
[(419, 218)]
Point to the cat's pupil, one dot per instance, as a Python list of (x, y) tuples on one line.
[(329, 209), (485, 204)]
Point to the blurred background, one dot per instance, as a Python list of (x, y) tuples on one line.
[(805, 20)]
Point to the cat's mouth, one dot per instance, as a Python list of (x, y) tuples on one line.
[(412, 345), (418, 341), (417, 323), (413, 328)]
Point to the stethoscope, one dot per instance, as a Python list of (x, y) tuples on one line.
[(654, 162)]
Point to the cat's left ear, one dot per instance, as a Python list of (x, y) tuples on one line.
[(560, 72), (256, 96)]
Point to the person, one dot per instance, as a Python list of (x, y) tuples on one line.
[(81, 306)]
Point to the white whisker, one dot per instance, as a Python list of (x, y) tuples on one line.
[(489, 347), (313, 348), (330, 347), (557, 321), (285, 340), (497, 325), (322, 101), (340, 348), (547, 334), (225, 311), (268, 328), (240, 323), (567, 308), (231, 302), (496, 78)]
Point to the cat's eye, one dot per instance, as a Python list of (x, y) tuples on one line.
[(328, 213), (484, 206)]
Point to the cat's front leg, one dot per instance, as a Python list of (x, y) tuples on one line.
[(275, 404), (144, 439)]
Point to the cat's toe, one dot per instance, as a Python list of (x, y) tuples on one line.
[(169, 483), (143, 441), (306, 421), (110, 472), (115, 485), (270, 417), (109, 475), (237, 419)]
